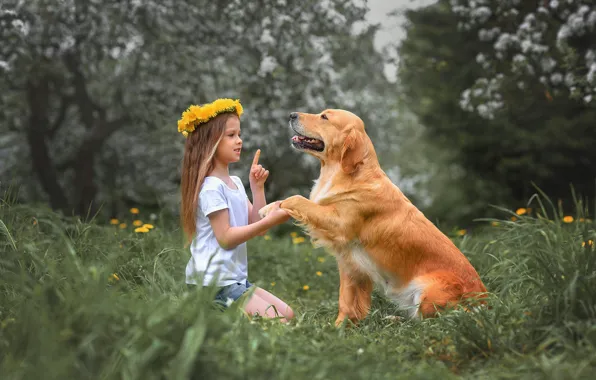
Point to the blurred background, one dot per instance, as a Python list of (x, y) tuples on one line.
[(469, 103)]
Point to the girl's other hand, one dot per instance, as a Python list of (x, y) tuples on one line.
[(258, 175), (276, 215)]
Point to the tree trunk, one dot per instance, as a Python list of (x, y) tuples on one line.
[(38, 93), (84, 183), (93, 116)]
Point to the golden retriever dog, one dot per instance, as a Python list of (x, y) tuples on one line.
[(373, 230)]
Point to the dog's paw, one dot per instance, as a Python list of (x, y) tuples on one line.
[(266, 210)]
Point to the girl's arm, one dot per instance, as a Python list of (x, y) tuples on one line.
[(259, 201), (229, 237), (258, 176)]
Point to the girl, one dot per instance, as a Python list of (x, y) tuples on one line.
[(226, 218)]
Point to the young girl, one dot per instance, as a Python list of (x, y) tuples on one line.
[(216, 215)]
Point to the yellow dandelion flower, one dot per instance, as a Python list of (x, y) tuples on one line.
[(122, 225), (267, 237), (149, 226), (114, 221), (494, 224), (197, 115), (305, 287), (293, 234), (273, 283), (590, 243), (461, 232), (142, 229), (113, 278), (298, 240), (521, 211), (319, 273), (134, 210), (568, 219), (321, 259), (513, 218), (137, 223)]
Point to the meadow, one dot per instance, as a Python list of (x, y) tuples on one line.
[(94, 300)]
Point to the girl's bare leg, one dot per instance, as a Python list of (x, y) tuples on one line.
[(268, 305)]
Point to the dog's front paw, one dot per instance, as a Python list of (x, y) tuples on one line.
[(266, 210)]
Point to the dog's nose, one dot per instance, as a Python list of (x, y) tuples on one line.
[(294, 116)]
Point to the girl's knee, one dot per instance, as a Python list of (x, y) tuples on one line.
[(289, 313)]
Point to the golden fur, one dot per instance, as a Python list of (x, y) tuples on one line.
[(374, 231)]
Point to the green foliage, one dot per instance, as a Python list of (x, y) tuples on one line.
[(538, 138), (95, 90), (436, 65), (84, 300)]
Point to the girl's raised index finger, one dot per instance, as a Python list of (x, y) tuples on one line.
[(255, 160)]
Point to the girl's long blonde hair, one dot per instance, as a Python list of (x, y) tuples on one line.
[(199, 152)]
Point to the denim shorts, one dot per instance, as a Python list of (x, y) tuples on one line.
[(232, 292)]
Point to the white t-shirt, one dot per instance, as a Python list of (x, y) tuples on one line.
[(229, 266)]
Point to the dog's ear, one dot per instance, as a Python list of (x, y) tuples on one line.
[(352, 153)]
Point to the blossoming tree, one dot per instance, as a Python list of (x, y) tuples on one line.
[(507, 87), (549, 41), (95, 88)]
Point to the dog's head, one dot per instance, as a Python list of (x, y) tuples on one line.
[(333, 136)]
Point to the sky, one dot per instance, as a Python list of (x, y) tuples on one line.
[(391, 27)]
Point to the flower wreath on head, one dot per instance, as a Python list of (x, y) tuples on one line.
[(197, 115)]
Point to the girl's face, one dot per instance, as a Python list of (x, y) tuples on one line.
[(230, 146)]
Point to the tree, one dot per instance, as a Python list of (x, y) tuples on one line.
[(534, 136), (96, 89), (548, 41)]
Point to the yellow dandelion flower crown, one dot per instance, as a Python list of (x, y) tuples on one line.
[(197, 115)]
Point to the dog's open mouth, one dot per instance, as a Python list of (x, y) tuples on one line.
[(303, 142)]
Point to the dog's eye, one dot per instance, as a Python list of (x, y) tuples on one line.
[(323, 116)]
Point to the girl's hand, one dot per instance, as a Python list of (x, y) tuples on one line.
[(277, 215), (258, 175)]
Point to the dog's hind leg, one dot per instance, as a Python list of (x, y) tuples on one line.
[(443, 291), (355, 291)]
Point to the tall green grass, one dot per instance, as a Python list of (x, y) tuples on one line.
[(86, 300)]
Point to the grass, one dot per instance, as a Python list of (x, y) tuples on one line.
[(92, 301)]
